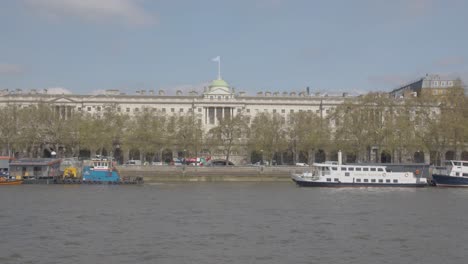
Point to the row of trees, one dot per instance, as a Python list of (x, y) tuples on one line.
[(374, 121)]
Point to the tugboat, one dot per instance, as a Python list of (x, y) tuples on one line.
[(102, 170), (336, 174), (453, 174)]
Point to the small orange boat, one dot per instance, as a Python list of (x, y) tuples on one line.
[(5, 181)]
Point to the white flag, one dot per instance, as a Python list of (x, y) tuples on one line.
[(217, 58)]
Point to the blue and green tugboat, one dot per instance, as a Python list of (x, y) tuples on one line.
[(103, 170)]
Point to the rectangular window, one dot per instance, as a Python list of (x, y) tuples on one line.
[(274, 110), (343, 168), (373, 169), (366, 180), (89, 108), (358, 169), (136, 109), (119, 109), (336, 179), (199, 110), (317, 111), (380, 181), (334, 168), (373, 180), (164, 110), (395, 181), (79, 108), (387, 180), (98, 108), (365, 169), (128, 110), (291, 111), (181, 110), (283, 111), (358, 180), (346, 174), (380, 169), (351, 169), (248, 110), (172, 110), (328, 179)]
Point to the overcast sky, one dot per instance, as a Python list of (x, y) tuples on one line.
[(265, 45)]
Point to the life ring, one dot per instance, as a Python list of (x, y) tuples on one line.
[(383, 174), (416, 172), (406, 174)]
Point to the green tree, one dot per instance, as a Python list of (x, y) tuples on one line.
[(229, 133), (268, 135), (308, 133)]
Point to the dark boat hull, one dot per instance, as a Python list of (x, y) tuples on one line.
[(449, 181), (340, 184)]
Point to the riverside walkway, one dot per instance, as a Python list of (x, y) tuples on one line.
[(210, 174)]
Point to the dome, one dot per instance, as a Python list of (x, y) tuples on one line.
[(219, 83)]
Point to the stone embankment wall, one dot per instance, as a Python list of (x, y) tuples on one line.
[(194, 174)]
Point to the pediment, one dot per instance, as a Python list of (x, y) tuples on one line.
[(62, 100), (219, 91)]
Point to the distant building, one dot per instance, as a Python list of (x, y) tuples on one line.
[(428, 85)]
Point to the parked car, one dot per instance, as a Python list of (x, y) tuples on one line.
[(219, 162), (133, 163)]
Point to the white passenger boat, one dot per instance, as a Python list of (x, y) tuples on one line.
[(454, 174), (336, 174)]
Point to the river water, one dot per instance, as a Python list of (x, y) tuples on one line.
[(231, 223)]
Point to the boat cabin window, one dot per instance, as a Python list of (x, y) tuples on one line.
[(373, 180), (448, 163), (465, 174), (334, 168), (387, 180), (358, 180), (456, 163), (465, 164), (365, 169), (343, 168), (328, 179), (336, 179), (366, 180), (358, 169), (457, 174), (373, 169), (395, 181), (380, 180), (380, 169), (351, 169), (346, 174)]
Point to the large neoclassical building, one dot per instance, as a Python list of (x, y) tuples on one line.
[(217, 101)]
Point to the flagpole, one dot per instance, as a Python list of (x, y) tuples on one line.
[(219, 68)]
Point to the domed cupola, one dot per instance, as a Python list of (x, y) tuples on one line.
[(219, 84)]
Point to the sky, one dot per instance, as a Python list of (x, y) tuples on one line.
[(331, 46)]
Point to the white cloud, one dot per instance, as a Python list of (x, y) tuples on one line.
[(10, 69), (128, 11), (98, 92), (58, 90)]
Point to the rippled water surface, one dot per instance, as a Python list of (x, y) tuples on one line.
[(231, 223)]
